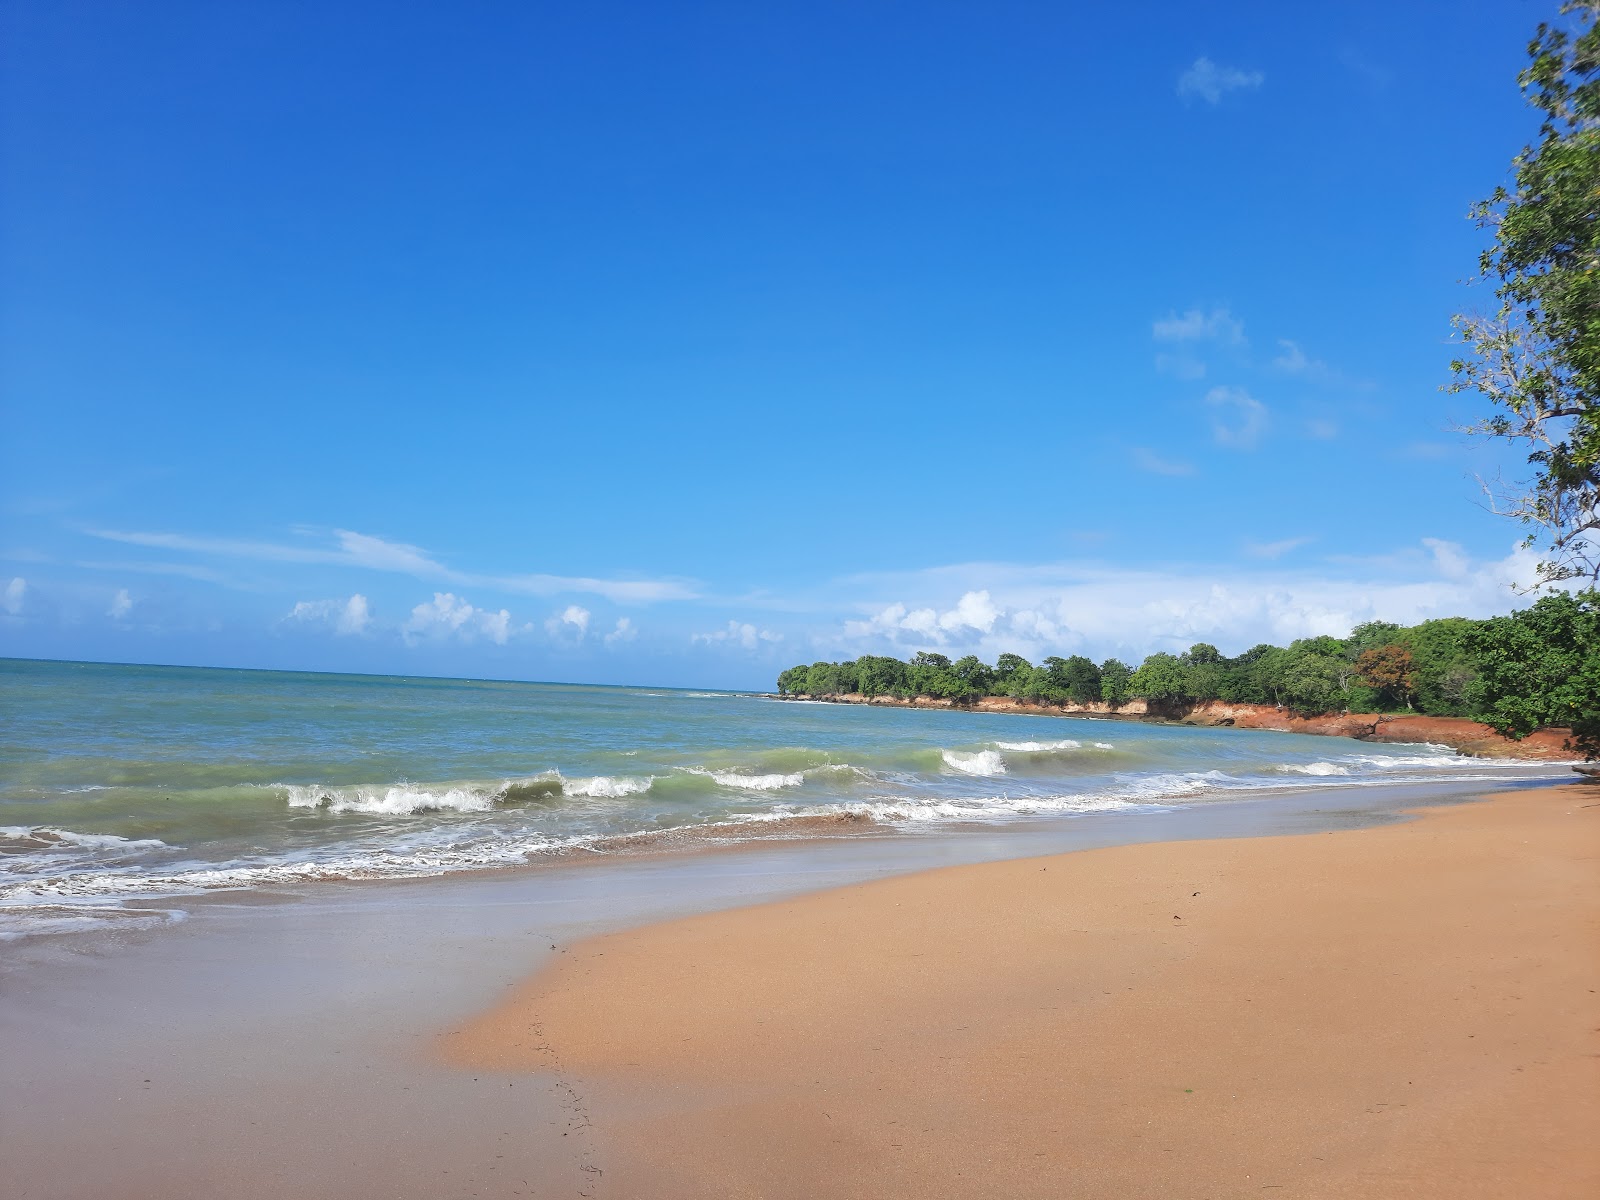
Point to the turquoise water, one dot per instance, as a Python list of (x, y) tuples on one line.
[(125, 788)]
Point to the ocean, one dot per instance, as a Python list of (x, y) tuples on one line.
[(125, 790)]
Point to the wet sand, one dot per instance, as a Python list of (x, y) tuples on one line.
[(1407, 1010)]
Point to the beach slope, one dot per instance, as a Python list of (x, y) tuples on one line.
[(1407, 1010)]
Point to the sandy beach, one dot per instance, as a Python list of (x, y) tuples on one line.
[(1408, 1010)]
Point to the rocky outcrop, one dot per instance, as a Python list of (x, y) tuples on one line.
[(1459, 733)]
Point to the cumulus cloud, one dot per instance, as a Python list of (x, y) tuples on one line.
[(1210, 81), (15, 596), (625, 631), (572, 620), (121, 605), (737, 633), (343, 617), (974, 614), (1149, 460), (1239, 417), (448, 616), (1076, 608), (1218, 325)]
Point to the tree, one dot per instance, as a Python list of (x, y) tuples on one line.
[(1205, 673), (1083, 680), (1390, 671), (973, 675), (877, 675), (1541, 666), (1006, 669), (1537, 357), (1115, 678), (1161, 678)]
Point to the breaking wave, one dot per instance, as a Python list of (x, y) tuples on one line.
[(979, 762)]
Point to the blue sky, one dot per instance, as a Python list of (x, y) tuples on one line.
[(675, 343)]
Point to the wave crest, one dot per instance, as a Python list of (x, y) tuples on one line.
[(980, 762)]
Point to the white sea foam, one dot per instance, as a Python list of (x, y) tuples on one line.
[(757, 783), (1041, 747), (981, 762), (607, 787), (46, 837), (394, 800), (1316, 768)]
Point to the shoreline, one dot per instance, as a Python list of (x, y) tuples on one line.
[(1405, 1009), (315, 1011), (1467, 737)]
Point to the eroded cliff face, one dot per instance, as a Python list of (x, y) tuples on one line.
[(1459, 733)]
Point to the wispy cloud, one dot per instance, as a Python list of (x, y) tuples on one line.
[(625, 631), (121, 605), (1239, 417), (1218, 325), (737, 633), (1149, 460), (1210, 81), (1276, 550), (366, 552), (14, 597)]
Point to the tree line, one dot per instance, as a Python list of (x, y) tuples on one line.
[(1535, 668)]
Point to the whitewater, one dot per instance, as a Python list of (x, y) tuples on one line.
[(124, 789)]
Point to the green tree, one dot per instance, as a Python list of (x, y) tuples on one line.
[(1082, 680), (974, 676), (1537, 357), (1161, 678), (877, 675), (1116, 677), (1539, 667), (1006, 669), (1204, 671)]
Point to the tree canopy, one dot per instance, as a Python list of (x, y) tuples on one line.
[(1536, 359), (1518, 673)]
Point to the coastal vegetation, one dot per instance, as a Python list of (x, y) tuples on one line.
[(1536, 357), (1536, 668)]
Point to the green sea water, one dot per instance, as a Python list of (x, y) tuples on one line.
[(124, 789)]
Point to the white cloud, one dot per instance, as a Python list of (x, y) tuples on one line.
[(625, 631), (1218, 325), (573, 620), (15, 595), (1290, 357), (121, 605), (973, 615), (1211, 81), (1149, 460), (1099, 610), (618, 591), (366, 552), (1240, 417), (737, 633), (345, 617), (446, 615), (1320, 427)]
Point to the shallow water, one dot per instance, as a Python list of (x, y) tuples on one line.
[(125, 789)]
